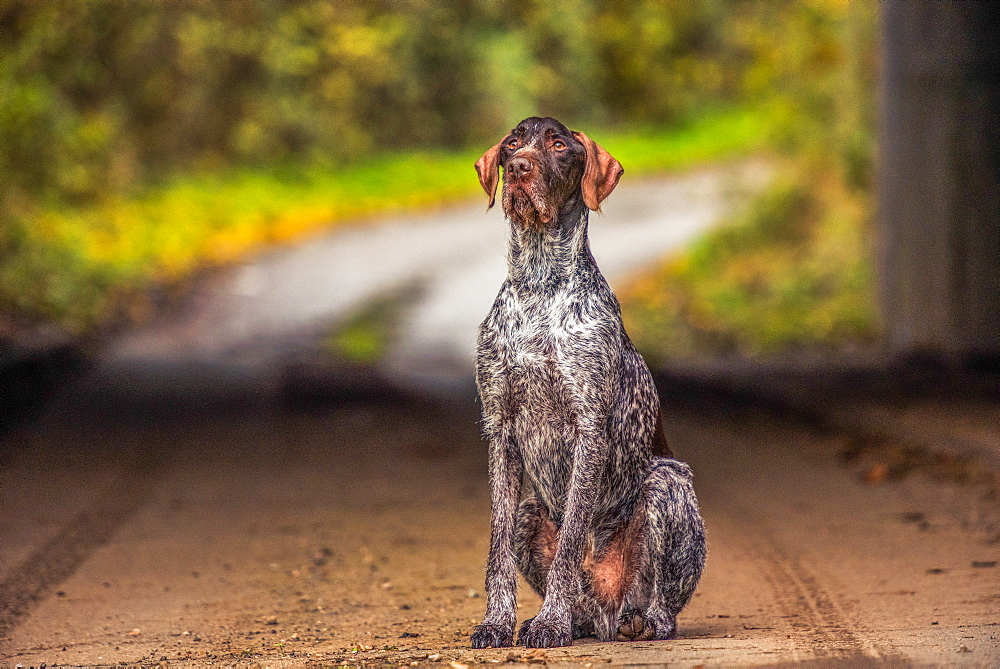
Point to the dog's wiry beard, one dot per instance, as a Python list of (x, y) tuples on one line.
[(527, 205)]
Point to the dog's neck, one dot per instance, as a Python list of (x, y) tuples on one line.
[(546, 257)]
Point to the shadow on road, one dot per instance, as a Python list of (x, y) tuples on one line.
[(329, 513)]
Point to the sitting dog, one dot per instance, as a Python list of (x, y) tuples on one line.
[(609, 532)]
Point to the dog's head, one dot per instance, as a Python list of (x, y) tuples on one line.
[(545, 167)]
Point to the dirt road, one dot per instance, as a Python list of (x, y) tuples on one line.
[(355, 530), (205, 495)]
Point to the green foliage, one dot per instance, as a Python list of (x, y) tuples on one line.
[(796, 270), (365, 338), (86, 265), (792, 272), (711, 136), (141, 140), (815, 66), (82, 266), (101, 96)]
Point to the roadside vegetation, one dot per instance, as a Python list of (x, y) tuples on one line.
[(794, 271), (83, 266), (141, 143)]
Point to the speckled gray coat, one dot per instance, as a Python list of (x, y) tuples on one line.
[(608, 531)]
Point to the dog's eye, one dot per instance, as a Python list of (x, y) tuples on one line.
[(558, 145), (512, 144)]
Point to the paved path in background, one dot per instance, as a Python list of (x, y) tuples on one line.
[(255, 314), (640, 224)]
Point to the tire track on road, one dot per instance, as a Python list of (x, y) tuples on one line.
[(811, 610), (30, 582)]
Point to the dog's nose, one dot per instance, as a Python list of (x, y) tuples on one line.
[(519, 165)]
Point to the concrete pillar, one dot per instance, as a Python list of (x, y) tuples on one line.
[(939, 178)]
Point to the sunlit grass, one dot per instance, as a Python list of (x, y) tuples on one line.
[(366, 336), (709, 138), (81, 268)]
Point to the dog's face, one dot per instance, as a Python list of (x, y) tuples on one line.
[(546, 166), (543, 165)]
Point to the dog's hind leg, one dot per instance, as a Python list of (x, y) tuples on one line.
[(675, 554), (535, 539), (535, 546)]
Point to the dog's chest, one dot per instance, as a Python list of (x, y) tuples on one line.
[(544, 335), (541, 352)]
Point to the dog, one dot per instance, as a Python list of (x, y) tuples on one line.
[(609, 533)]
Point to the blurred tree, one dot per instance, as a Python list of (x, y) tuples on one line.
[(97, 96), (102, 98)]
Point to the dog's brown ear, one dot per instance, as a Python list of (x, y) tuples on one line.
[(601, 174), (488, 168)]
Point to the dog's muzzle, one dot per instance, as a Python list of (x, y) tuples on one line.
[(524, 193)]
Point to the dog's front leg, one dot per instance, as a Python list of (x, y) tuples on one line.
[(553, 626), (497, 628)]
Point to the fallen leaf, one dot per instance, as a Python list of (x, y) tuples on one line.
[(876, 473)]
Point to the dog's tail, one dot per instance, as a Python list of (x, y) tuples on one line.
[(660, 446)]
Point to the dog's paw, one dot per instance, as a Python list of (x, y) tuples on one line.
[(583, 629), (492, 636), (636, 626), (535, 633), (523, 629)]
